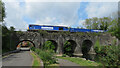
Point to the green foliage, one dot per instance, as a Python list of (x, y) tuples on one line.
[(114, 41), (12, 29), (116, 32), (97, 47), (64, 55), (7, 43), (2, 10), (49, 45), (111, 56), (37, 50), (6, 39), (46, 55), (105, 23), (68, 48), (100, 23), (33, 48)]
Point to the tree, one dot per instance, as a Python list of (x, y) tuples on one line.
[(5, 37), (98, 23), (6, 33), (2, 11), (12, 29), (111, 24)]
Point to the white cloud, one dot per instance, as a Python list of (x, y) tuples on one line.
[(46, 21), (14, 15), (53, 13), (101, 9), (42, 12), (51, 21)]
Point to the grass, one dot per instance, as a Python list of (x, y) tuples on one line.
[(36, 61), (52, 66), (81, 61)]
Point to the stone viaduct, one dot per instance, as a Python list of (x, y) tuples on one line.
[(78, 39)]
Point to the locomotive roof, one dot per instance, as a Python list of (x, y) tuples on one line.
[(48, 25)]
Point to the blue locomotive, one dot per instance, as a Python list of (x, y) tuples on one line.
[(60, 28)]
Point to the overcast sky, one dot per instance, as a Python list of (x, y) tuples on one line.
[(21, 13)]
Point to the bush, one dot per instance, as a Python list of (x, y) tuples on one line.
[(49, 46), (33, 48), (37, 50), (99, 49), (111, 56), (46, 55)]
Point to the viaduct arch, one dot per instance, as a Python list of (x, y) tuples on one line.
[(78, 38)]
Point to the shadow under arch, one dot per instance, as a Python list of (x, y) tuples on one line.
[(19, 43), (53, 43), (71, 44), (86, 46)]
